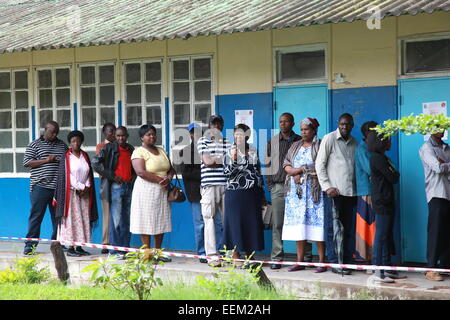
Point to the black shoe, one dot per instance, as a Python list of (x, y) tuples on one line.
[(203, 260), (394, 275), (72, 253), (105, 251), (28, 252), (64, 248), (345, 272), (275, 266), (164, 259), (82, 252)]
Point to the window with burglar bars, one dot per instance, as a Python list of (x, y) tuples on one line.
[(14, 119), (96, 100), (191, 92), (144, 104), (54, 98)]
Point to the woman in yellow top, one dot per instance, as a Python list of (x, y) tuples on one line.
[(150, 210)]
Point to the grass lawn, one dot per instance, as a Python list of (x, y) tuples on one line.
[(175, 291)]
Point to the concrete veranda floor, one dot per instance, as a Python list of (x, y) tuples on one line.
[(304, 284)]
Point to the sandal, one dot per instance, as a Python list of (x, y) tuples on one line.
[(296, 267), (320, 270)]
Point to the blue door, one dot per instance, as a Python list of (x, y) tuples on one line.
[(302, 101), (413, 204)]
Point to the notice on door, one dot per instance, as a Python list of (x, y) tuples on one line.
[(439, 107), (245, 117)]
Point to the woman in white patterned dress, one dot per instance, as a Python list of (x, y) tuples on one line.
[(150, 210), (304, 209)]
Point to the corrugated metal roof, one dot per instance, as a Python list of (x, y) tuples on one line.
[(49, 24)]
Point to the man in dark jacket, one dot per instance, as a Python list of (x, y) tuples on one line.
[(191, 172), (114, 163)]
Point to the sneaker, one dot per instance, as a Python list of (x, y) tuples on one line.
[(383, 279), (203, 260), (72, 253), (82, 252), (434, 276), (215, 262), (28, 252), (105, 251)]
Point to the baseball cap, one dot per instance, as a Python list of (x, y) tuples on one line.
[(192, 126)]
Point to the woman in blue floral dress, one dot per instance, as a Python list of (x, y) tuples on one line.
[(304, 210)]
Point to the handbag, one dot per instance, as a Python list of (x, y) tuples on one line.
[(266, 212), (176, 193)]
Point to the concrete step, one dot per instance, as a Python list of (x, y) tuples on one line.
[(304, 284)]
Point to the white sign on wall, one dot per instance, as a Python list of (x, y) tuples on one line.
[(245, 117), (439, 107)]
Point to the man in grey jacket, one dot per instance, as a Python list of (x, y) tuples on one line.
[(435, 156)]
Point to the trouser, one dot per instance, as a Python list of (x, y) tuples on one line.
[(119, 226), (212, 202), (438, 242), (199, 228), (345, 206), (381, 253), (40, 199), (278, 206), (105, 222)]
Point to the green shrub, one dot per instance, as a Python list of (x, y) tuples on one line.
[(134, 278), (233, 283), (10, 276), (25, 270), (28, 267)]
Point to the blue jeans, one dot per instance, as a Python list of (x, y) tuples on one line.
[(199, 227), (40, 199), (119, 211), (380, 252)]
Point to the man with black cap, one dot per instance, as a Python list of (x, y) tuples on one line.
[(212, 147)]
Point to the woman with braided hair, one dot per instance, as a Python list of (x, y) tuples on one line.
[(304, 210)]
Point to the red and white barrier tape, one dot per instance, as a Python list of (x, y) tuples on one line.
[(186, 255)]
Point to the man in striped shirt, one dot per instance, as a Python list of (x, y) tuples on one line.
[(42, 156), (212, 148)]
